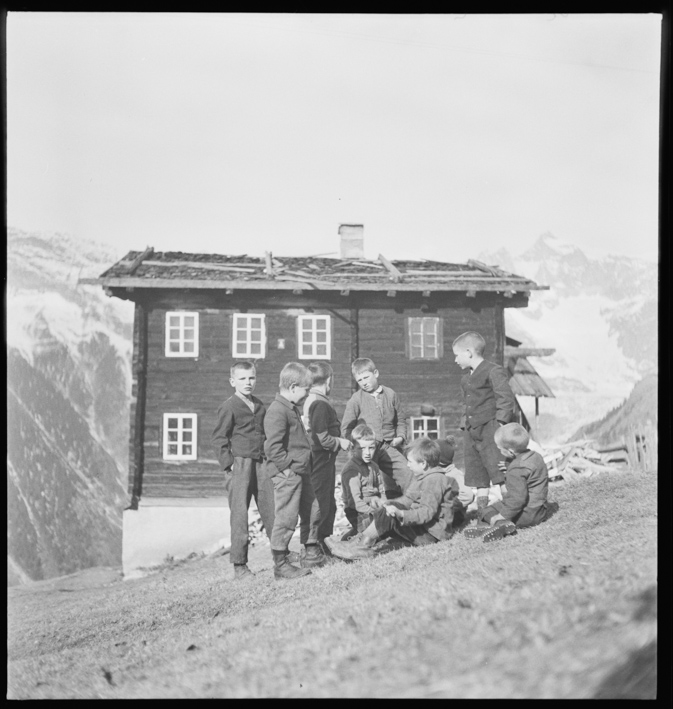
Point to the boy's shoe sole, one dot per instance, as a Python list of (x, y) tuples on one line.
[(477, 530), (502, 530), (350, 551)]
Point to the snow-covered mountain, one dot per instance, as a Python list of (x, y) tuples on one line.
[(600, 314), (68, 392)]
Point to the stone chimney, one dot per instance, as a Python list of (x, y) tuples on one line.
[(352, 240)]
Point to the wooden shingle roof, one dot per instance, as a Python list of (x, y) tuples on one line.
[(177, 269)]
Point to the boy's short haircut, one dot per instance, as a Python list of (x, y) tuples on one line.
[(512, 436), (473, 340), (236, 366), (320, 372), (363, 364), (362, 432), (294, 373), (425, 450)]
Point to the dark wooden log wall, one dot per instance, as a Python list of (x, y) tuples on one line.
[(178, 385)]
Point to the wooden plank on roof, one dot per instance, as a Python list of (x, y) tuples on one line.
[(139, 259), (397, 275), (269, 264), (484, 267), (206, 265)]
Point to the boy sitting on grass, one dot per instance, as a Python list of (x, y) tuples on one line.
[(364, 486), (426, 513), (525, 502)]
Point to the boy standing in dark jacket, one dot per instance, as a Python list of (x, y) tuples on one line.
[(426, 513), (323, 427), (489, 403), (525, 502), (288, 453), (238, 440)]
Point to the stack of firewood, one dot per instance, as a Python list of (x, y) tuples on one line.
[(582, 459)]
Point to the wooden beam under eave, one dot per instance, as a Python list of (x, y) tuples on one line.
[(391, 293), (345, 292)]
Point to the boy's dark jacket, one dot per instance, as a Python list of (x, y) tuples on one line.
[(527, 482), (286, 445), (488, 396), (432, 499), (239, 433), (324, 423)]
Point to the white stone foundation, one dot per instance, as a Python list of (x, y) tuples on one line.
[(172, 527)]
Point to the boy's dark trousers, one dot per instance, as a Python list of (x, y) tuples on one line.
[(482, 456), (294, 499), (359, 520), (323, 480), (387, 526), (247, 479), (394, 464), (528, 517)]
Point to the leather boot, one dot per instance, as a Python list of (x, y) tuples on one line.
[(242, 571), (283, 569), (312, 555)]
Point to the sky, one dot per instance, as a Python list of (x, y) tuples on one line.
[(445, 135)]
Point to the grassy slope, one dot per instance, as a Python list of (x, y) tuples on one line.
[(548, 613)]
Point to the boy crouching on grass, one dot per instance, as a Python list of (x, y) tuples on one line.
[(525, 502), (426, 513), (288, 452), (364, 486)]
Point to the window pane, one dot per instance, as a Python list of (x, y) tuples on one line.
[(321, 350), (189, 321), (256, 336), (418, 424), (432, 424), (189, 347), (241, 335), (240, 348), (174, 347), (416, 340), (173, 334), (256, 323), (306, 336), (321, 337), (186, 423), (255, 348), (173, 449), (187, 436), (174, 320), (415, 326), (416, 352), (306, 324), (306, 349), (321, 324), (430, 325), (188, 333), (432, 434), (186, 450), (172, 435), (172, 423)]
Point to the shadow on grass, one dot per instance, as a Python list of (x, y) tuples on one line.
[(635, 679)]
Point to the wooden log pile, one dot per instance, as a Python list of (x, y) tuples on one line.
[(636, 451)]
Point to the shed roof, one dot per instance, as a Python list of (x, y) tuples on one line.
[(177, 269), (524, 380)]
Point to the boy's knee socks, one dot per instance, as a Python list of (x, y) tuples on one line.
[(482, 501)]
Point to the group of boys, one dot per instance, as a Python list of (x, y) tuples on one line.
[(286, 460)]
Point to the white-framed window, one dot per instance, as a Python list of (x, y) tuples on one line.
[(182, 334), (179, 437), (249, 335), (424, 426), (425, 338), (314, 337)]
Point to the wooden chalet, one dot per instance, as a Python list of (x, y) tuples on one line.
[(195, 314)]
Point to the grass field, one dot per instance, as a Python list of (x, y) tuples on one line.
[(563, 610)]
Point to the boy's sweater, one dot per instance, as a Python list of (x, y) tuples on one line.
[(432, 500), (286, 445), (488, 396), (323, 423), (382, 412), (527, 482), (361, 481), (239, 432)]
